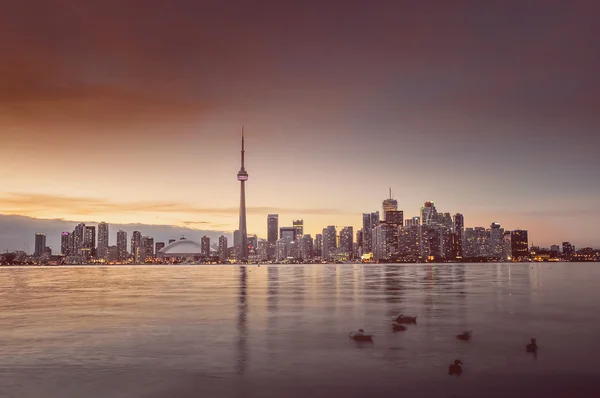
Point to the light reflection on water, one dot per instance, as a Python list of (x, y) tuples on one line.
[(161, 331)]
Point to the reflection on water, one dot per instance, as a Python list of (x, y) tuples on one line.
[(266, 331)]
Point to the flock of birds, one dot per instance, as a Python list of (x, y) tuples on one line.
[(398, 322)]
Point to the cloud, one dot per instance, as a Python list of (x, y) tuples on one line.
[(44, 204)]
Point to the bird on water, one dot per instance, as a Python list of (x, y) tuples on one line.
[(455, 369)]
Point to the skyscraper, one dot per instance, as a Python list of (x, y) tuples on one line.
[(370, 221), (122, 245), (65, 242), (78, 239), (496, 242), (89, 241), (288, 234), (40, 244), (223, 248), (519, 244), (329, 243), (459, 229), (242, 177), (318, 246), (103, 240), (147, 248), (428, 213), (389, 205), (136, 246), (272, 228), (205, 246), (347, 241), (299, 225)]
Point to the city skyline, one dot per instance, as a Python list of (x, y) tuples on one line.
[(429, 99)]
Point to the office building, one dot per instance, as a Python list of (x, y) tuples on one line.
[(136, 246), (496, 241), (65, 243), (431, 242), (459, 229), (409, 240), (383, 241), (299, 225), (122, 245), (147, 248), (102, 240), (519, 244), (89, 241), (413, 221), (347, 242), (205, 246), (223, 248), (388, 205), (40, 244), (318, 245), (568, 249), (370, 221), (429, 214), (329, 244), (306, 247), (288, 233), (78, 239)]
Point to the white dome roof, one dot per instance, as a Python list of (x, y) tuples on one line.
[(182, 247)]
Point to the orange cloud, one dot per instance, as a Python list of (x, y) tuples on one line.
[(34, 204)]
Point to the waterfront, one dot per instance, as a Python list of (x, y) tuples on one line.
[(271, 331)]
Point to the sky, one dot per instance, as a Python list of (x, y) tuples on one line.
[(130, 112)]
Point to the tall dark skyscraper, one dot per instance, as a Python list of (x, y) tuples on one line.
[(136, 245), (519, 244), (40, 244), (89, 240), (223, 248), (242, 177), (272, 228)]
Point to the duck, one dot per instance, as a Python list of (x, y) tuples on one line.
[(532, 347), (396, 327), (405, 319), (360, 335), (455, 368), (465, 336)]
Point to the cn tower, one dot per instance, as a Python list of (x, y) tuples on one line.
[(242, 177)]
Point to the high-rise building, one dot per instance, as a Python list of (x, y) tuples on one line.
[(299, 225), (205, 246), (568, 249), (148, 248), (158, 246), (318, 246), (555, 249), (432, 243), (136, 246), (288, 233), (65, 243), (395, 217), (370, 221), (103, 240), (122, 245), (347, 241), (89, 241), (388, 205), (281, 247), (242, 177), (272, 227), (383, 241), (459, 229), (358, 247), (78, 239), (507, 245), (413, 221), (306, 247), (496, 242), (519, 244), (223, 248), (429, 214), (329, 243), (409, 240), (40, 244)]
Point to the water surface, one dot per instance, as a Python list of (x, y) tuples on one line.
[(282, 331)]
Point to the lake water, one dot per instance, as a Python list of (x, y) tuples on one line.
[(282, 331)]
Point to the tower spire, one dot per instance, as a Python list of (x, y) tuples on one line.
[(242, 147), (390, 192)]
